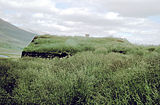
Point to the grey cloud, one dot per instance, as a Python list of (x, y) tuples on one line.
[(131, 8), (87, 16)]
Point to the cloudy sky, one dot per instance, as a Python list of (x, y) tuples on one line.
[(136, 20)]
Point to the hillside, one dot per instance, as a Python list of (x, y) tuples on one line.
[(12, 38), (93, 71)]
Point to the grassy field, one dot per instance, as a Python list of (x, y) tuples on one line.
[(100, 71)]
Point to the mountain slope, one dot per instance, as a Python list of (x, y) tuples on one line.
[(12, 38)]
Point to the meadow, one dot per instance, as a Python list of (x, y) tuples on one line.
[(99, 71)]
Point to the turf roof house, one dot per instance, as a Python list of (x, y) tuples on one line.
[(42, 54), (48, 46), (58, 47)]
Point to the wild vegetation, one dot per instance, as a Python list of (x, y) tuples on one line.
[(99, 71)]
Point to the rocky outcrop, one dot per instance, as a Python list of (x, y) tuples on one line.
[(44, 55)]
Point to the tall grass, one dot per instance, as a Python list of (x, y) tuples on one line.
[(106, 71), (91, 77)]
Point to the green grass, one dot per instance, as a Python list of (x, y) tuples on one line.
[(100, 77), (72, 45)]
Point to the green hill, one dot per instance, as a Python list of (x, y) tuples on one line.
[(12, 38), (93, 71)]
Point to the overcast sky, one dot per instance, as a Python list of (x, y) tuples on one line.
[(136, 20)]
